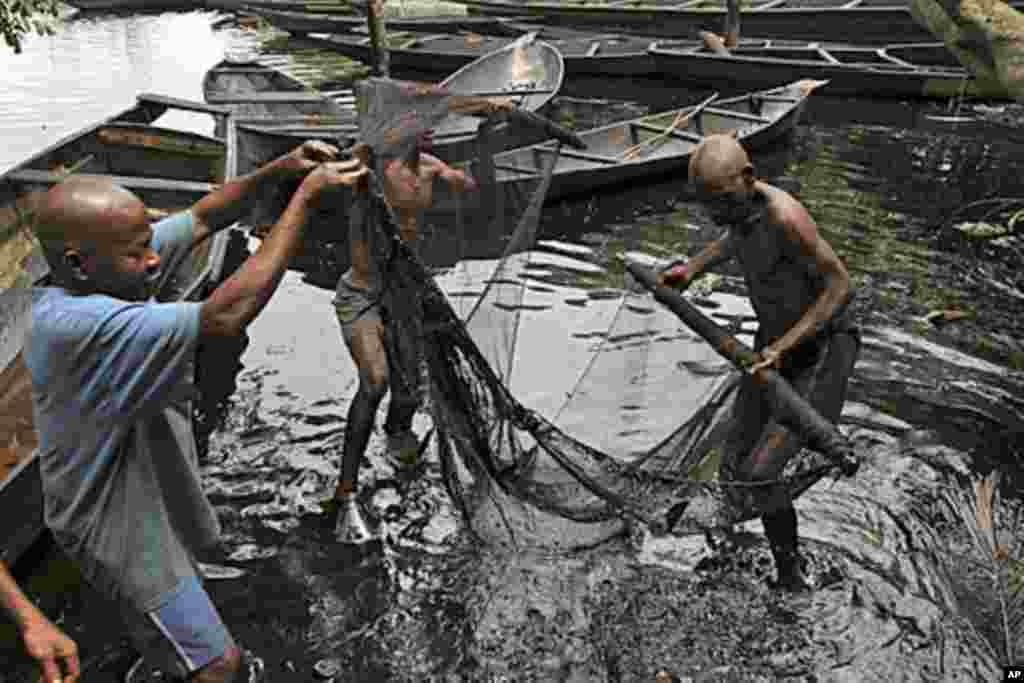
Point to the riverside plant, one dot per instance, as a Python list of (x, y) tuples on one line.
[(996, 554)]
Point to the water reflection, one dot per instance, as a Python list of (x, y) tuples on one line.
[(94, 67)]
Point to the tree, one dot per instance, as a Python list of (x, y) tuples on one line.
[(987, 36), (18, 17)]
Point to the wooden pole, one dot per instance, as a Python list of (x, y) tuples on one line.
[(378, 38), (821, 434), (732, 22)]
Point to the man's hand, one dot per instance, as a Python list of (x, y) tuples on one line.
[(304, 158), (334, 174), (768, 357), (674, 276), (466, 182), (54, 651)]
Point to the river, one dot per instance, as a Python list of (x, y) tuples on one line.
[(931, 409)]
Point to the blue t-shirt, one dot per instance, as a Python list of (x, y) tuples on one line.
[(112, 382)]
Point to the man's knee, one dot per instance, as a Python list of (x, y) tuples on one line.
[(222, 669), (373, 382)]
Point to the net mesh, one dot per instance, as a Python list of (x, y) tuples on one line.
[(635, 437)]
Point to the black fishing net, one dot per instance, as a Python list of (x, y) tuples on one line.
[(646, 403)]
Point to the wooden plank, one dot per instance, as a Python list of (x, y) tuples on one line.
[(313, 120), (737, 114), (824, 54), (516, 169), (187, 105), (130, 136), (895, 60), (288, 97), (130, 182), (313, 131), (21, 509), (573, 154), (680, 134)]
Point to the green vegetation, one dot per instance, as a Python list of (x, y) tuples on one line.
[(20, 17)]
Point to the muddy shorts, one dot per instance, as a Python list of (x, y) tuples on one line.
[(401, 341), (183, 635), (759, 445)]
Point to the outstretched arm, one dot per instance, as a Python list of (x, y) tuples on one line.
[(46, 643), (802, 232), (458, 180), (225, 205), (240, 298), (682, 274)]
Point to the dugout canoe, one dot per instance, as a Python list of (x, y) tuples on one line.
[(871, 22), (304, 23), (136, 5), (904, 70), (532, 65), (312, 6), (650, 146), (585, 54), (169, 170), (267, 97)]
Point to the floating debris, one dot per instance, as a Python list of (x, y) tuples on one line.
[(220, 572)]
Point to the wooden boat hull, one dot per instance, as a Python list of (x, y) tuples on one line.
[(584, 55), (872, 25), (304, 23), (169, 170), (542, 69), (855, 71), (136, 5), (255, 92), (604, 164)]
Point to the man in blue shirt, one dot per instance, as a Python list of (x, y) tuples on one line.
[(111, 375)]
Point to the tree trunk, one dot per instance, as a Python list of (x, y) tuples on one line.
[(986, 36)]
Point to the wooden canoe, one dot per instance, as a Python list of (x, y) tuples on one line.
[(649, 146), (136, 5), (270, 98), (304, 23), (871, 22), (533, 65), (169, 170), (584, 53), (314, 6), (907, 70)]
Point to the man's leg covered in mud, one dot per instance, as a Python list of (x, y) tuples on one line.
[(365, 340), (402, 340), (822, 380)]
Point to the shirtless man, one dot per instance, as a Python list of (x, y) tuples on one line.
[(382, 360), (799, 289)]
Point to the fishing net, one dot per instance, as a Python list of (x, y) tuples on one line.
[(625, 425)]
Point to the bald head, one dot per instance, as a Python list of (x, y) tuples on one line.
[(88, 210), (96, 237), (718, 161)]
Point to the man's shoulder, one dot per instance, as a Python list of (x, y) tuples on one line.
[(783, 208)]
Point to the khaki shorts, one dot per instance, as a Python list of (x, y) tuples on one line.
[(405, 358)]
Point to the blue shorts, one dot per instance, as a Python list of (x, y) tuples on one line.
[(183, 635)]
